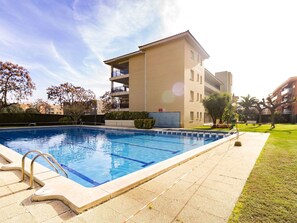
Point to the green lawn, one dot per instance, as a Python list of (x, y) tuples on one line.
[(270, 194)]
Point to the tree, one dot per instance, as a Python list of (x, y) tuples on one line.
[(107, 102), (32, 111), (15, 83), (272, 105), (215, 104), (74, 100), (229, 113), (12, 108), (260, 108), (246, 103), (41, 106)]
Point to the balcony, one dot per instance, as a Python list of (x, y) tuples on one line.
[(120, 76), (287, 111), (120, 91), (286, 91), (117, 73), (120, 107)]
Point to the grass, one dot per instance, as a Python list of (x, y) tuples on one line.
[(270, 193)]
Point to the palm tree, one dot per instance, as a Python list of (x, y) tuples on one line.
[(247, 103), (215, 105)]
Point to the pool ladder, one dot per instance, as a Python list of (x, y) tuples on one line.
[(47, 157)]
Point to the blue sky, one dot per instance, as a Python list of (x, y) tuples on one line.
[(62, 41)]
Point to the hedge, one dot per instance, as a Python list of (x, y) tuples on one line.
[(26, 118), (10, 119), (144, 123)]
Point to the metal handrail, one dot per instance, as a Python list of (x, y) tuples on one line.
[(40, 153), (51, 161)]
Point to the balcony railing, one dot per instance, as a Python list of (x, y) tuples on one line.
[(120, 89), (120, 106), (117, 73)]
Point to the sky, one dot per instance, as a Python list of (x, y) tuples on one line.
[(60, 41)]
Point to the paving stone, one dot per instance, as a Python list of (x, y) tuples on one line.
[(216, 195), (167, 206), (23, 218), (102, 214), (216, 208), (11, 211), (141, 195), (69, 215), (15, 198), (193, 215), (48, 210), (155, 186), (124, 204), (5, 191), (224, 187), (151, 215)]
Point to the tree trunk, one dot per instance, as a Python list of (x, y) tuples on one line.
[(272, 119)]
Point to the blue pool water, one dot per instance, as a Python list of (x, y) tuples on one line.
[(93, 156)]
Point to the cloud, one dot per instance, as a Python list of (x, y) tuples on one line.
[(105, 27)]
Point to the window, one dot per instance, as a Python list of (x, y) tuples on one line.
[(200, 115), (192, 54), (197, 115), (201, 79), (197, 97), (192, 75), (201, 98), (191, 116), (191, 95), (197, 77)]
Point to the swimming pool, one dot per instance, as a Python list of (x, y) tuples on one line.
[(93, 156)]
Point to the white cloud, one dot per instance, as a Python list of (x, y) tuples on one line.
[(106, 24)]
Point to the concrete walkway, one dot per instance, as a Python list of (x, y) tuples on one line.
[(204, 189)]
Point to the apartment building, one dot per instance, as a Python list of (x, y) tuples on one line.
[(284, 91), (167, 75), (218, 82)]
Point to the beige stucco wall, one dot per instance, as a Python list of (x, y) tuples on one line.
[(136, 83), (160, 78), (193, 65), (165, 77)]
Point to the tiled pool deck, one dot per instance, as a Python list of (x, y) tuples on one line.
[(204, 189)]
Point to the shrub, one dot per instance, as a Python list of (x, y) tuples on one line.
[(138, 123), (144, 123), (65, 120), (148, 123)]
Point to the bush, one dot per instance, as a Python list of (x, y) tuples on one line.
[(148, 123), (125, 115), (138, 123), (144, 123), (65, 121)]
